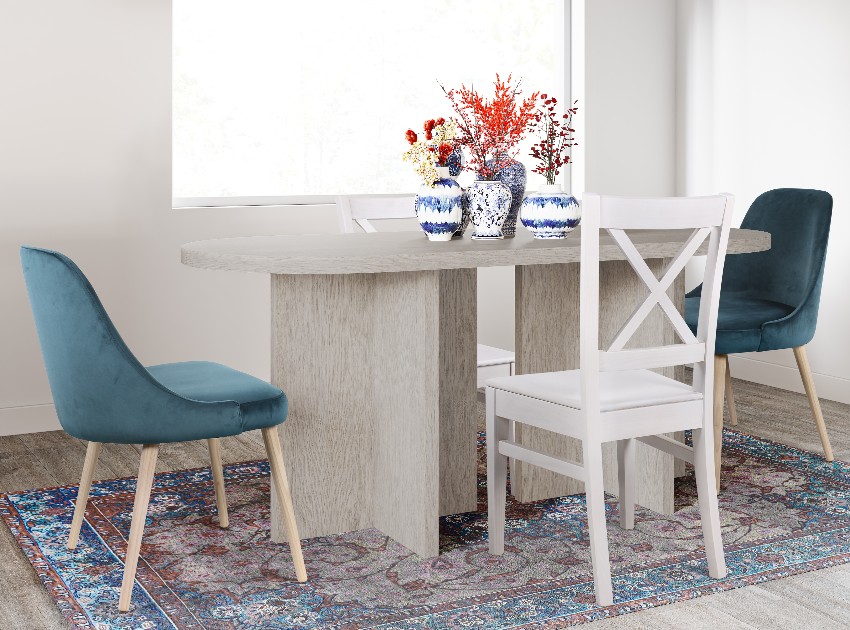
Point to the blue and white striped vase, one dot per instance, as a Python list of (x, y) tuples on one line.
[(550, 213), (439, 208)]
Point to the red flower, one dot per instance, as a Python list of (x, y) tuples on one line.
[(441, 121), (429, 128), (411, 136), (444, 152)]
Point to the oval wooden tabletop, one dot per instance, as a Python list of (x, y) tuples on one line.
[(411, 251)]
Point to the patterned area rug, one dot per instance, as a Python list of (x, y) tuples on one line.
[(784, 511)]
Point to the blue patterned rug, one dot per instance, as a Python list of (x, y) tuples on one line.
[(783, 511)]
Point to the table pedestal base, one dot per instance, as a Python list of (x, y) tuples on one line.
[(380, 374)]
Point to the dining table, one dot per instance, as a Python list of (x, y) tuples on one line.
[(373, 340)]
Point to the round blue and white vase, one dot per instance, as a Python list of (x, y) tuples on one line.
[(550, 213), (489, 204), (513, 176), (466, 213), (439, 208)]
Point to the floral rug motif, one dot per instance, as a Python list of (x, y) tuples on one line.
[(783, 511)]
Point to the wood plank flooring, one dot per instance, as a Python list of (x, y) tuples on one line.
[(819, 599)]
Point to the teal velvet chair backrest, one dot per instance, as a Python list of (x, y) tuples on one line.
[(101, 391), (791, 271)]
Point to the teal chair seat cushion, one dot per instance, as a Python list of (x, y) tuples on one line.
[(261, 404), (739, 321)]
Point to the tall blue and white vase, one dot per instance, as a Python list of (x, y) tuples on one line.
[(489, 204), (550, 213), (439, 208), (513, 176)]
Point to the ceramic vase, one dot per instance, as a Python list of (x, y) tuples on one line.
[(438, 208), (513, 176), (466, 213), (455, 162), (489, 204), (550, 213)]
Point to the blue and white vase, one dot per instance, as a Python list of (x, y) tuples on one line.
[(513, 176), (466, 213), (455, 162), (550, 213), (439, 208), (489, 204)]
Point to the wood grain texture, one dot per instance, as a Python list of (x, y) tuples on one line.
[(83, 493), (380, 372), (814, 402), (410, 251), (214, 445), (144, 483), (547, 325), (280, 484)]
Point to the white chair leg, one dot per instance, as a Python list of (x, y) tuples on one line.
[(144, 483), (720, 361), (271, 438), (218, 480), (497, 465), (626, 476), (595, 496), (706, 491), (730, 396), (92, 452), (814, 402)]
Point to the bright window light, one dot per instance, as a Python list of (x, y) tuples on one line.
[(283, 99)]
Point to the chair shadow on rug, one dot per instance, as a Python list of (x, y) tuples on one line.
[(103, 394)]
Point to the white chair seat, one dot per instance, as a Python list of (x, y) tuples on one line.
[(488, 355), (617, 390)]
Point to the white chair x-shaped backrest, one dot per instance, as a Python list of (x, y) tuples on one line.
[(360, 209), (705, 217)]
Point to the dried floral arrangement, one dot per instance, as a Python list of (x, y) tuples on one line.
[(433, 149), (556, 137)]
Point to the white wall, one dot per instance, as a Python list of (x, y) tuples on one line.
[(628, 98), (85, 168), (763, 103)]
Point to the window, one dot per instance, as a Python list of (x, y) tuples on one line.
[(305, 100)]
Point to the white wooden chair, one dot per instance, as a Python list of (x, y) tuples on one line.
[(616, 396), (361, 209)]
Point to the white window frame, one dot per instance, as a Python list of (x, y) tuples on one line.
[(565, 66)]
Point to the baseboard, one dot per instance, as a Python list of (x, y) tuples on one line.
[(783, 377), (29, 419)]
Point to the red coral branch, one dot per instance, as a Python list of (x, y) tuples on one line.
[(492, 128)]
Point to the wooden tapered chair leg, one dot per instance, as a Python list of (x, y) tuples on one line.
[(271, 438), (144, 483), (720, 361), (814, 402), (730, 396), (92, 453), (218, 479)]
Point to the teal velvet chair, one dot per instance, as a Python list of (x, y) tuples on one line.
[(769, 300), (104, 395)]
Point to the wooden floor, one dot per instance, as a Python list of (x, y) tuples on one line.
[(819, 599)]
